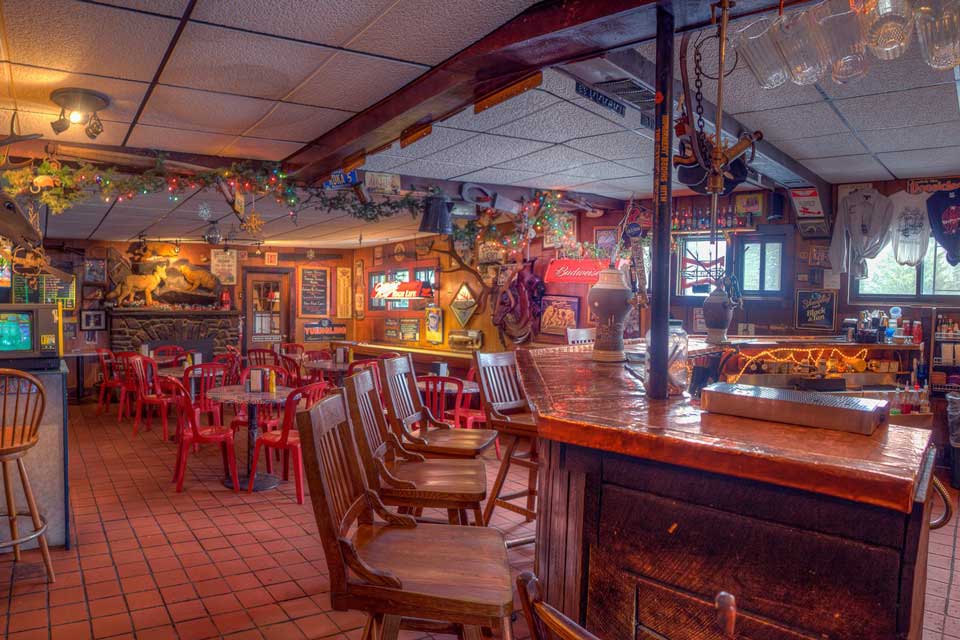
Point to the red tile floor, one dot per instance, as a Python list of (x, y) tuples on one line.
[(149, 563)]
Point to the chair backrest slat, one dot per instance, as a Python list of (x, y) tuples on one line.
[(404, 406), (438, 390), (500, 387), (24, 401), (258, 357), (369, 424), (206, 376)]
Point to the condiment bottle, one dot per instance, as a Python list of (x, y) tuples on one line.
[(273, 381)]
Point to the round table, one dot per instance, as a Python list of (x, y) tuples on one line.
[(336, 369), (238, 394)]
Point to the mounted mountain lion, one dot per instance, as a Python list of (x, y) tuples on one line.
[(198, 278), (132, 284)]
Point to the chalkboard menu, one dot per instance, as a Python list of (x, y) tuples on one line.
[(313, 293), (816, 309), (45, 289), (410, 329), (391, 329)]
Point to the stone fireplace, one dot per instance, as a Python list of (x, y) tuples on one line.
[(209, 331)]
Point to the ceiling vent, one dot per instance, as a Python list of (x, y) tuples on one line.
[(633, 92)]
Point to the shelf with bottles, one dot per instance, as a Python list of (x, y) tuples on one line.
[(945, 388), (696, 220), (947, 337)]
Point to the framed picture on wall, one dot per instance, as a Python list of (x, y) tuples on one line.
[(433, 323), (378, 255), (819, 256), (553, 238), (605, 238), (93, 320), (94, 271), (559, 313)]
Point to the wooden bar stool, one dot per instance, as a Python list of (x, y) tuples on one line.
[(405, 479), (508, 412), (404, 575), (544, 621), (24, 401)]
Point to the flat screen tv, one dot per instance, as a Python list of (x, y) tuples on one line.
[(16, 331)]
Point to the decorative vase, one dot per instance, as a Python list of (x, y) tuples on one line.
[(609, 300), (717, 315)]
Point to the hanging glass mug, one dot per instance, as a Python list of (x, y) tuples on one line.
[(755, 44), (801, 44), (887, 26), (938, 32), (844, 39)]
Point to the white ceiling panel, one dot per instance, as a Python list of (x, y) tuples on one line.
[(428, 168), (553, 181), (296, 122), (923, 162), (34, 85), (430, 32), (604, 189), (441, 138), (219, 59), (164, 7), (203, 111), (383, 162), (636, 184), (838, 144), (641, 164), (354, 82), (260, 149), (927, 105), (497, 176), (505, 112), (558, 123), (321, 21), (555, 159), (848, 169), (86, 38), (604, 170), (148, 137), (930, 136), (615, 146), (486, 149), (805, 121)]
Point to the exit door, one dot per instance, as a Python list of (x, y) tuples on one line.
[(267, 309)]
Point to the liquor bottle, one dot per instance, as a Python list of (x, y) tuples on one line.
[(939, 328)]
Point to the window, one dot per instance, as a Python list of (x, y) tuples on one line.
[(760, 268), (932, 279), (373, 304), (402, 275), (699, 263)]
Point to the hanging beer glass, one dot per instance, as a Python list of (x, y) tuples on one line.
[(938, 32), (887, 26), (841, 31), (755, 44), (801, 44)]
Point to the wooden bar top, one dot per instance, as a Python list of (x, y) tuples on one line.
[(601, 406)]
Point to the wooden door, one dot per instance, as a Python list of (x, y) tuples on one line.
[(267, 309)]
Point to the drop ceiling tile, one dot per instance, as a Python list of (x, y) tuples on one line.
[(203, 111), (923, 163), (430, 32), (297, 122), (642, 164), (486, 149), (839, 144), (555, 159), (383, 162), (604, 170), (440, 139), (220, 59), (615, 146), (505, 112), (497, 176), (166, 7), (847, 168), (147, 137), (354, 82), (261, 149), (86, 38), (113, 132), (907, 72), (557, 123), (34, 85), (320, 21), (637, 184), (553, 181), (931, 136), (430, 168), (805, 121), (927, 105)]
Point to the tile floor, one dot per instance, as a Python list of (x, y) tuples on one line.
[(149, 563)]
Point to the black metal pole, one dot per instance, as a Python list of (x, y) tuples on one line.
[(662, 195)]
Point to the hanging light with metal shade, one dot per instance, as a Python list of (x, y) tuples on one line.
[(437, 215)]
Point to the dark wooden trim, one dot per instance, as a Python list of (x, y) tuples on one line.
[(289, 271)]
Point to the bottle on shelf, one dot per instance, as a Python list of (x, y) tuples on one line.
[(925, 399), (918, 334)]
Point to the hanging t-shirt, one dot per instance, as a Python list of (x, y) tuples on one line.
[(943, 211), (860, 231), (910, 233)]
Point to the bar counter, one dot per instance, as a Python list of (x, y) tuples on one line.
[(650, 508)]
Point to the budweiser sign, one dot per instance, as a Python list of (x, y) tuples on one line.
[(577, 271), (401, 290)]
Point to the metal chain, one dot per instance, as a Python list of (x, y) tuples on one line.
[(698, 83)]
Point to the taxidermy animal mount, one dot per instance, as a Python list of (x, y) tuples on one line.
[(132, 284)]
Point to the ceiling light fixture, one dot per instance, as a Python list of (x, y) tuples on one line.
[(80, 107), (213, 235)]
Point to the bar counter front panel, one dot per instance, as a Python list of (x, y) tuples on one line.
[(649, 509)]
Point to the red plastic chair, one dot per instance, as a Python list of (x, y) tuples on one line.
[(287, 439), (268, 416), (316, 375), (291, 349), (388, 355), (109, 380), (370, 363), (292, 367), (232, 362), (465, 417), (204, 377), (260, 357), (169, 355), (435, 394), (123, 366), (193, 435), (149, 394)]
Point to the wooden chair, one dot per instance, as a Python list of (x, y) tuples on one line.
[(587, 335), (437, 578), (291, 349), (509, 413), (24, 400), (193, 435), (545, 622), (149, 394), (405, 479), (260, 357), (405, 412), (109, 380)]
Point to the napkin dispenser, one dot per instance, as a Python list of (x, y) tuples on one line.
[(465, 339)]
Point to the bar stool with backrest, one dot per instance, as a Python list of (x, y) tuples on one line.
[(286, 439), (109, 380), (509, 413), (404, 575), (586, 335), (149, 394), (260, 357), (193, 434), (405, 479), (543, 621), (406, 413), (23, 404)]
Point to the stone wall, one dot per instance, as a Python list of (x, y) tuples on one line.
[(131, 328)]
